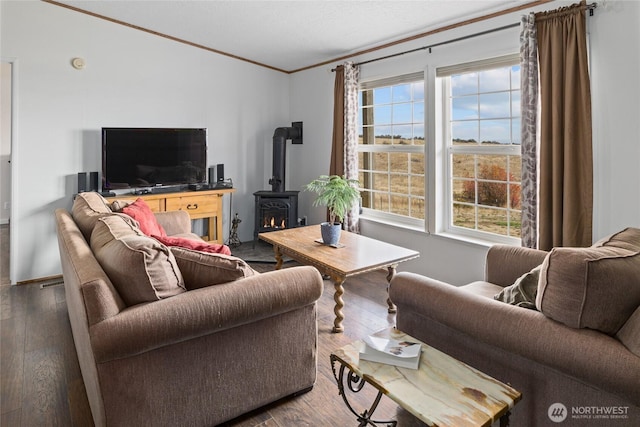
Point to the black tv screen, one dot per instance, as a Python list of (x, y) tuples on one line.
[(150, 157)]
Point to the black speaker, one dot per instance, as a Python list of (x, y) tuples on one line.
[(82, 182), (212, 175), (93, 181), (220, 172)]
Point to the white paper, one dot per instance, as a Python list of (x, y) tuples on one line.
[(393, 347)]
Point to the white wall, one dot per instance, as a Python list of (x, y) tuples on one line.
[(615, 127), (131, 79), (615, 69), (5, 141)]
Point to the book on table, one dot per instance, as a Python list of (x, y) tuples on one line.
[(405, 354)]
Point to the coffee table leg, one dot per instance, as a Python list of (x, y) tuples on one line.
[(278, 255), (337, 297), (355, 383), (392, 272), (504, 420)]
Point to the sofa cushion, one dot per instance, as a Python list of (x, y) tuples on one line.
[(87, 208), (523, 291), (480, 287), (596, 287), (201, 269), (629, 334), (141, 212), (140, 268)]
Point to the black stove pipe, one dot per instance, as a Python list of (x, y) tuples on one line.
[(280, 137)]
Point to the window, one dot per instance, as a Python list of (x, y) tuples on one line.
[(391, 150), (475, 168), (480, 108)]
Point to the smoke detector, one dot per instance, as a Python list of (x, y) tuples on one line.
[(78, 63)]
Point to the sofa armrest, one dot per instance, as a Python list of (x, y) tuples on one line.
[(174, 222), (506, 263), (204, 311), (581, 353)]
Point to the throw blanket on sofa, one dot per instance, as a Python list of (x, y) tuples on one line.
[(141, 212), (195, 245)]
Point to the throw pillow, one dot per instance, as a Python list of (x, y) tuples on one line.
[(596, 287), (87, 208), (141, 212), (140, 267), (201, 269), (523, 291), (196, 245)]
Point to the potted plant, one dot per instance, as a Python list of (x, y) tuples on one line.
[(339, 195)]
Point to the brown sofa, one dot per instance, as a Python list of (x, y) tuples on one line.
[(579, 346), (193, 355)]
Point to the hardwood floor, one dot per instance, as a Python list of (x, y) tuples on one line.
[(41, 384)]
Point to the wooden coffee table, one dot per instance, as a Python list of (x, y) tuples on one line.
[(442, 392), (356, 254)]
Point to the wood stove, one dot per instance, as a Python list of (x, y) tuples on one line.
[(278, 209), (275, 211)]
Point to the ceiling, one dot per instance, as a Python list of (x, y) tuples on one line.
[(289, 35)]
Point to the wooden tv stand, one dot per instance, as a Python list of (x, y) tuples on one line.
[(205, 204)]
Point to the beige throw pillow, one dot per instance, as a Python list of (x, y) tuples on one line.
[(140, 268), (596, 287), (202, 269), (87, 208)]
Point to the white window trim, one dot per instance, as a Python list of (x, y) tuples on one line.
[(393, 219), (478, 65)]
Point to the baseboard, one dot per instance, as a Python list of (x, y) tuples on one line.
[(57, 278)]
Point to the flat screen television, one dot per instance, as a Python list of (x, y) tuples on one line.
[(152, 157)]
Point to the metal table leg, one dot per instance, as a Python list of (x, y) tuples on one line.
[(355, 384)]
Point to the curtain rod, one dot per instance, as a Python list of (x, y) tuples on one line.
[(590, 7)]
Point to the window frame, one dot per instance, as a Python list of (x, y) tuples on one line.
[(438, 168), (447, 149), (389, 217)]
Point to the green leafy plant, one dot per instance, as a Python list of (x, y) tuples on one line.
[(337, 193)]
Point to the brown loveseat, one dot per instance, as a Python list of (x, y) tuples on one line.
[(579, 346), (192, 355)]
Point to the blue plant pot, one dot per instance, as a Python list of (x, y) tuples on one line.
[(330, 232)]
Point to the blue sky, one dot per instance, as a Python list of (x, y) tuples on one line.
[(480, 111), (481, 104), (402, 112)]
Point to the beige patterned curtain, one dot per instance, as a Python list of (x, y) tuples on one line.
[(351, 78), (566, 163), (528, 129), (344, 148)]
